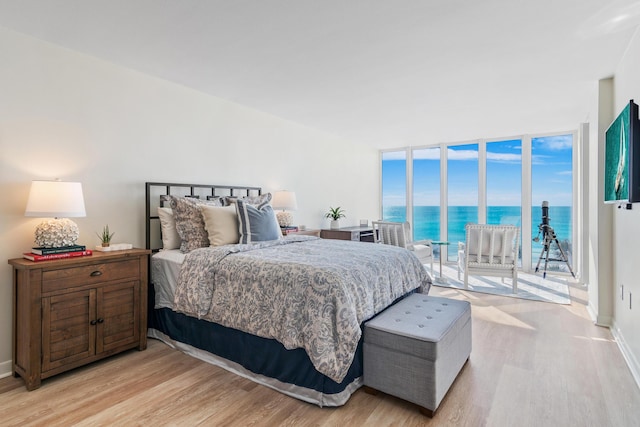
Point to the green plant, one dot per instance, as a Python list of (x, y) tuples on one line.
[(335, 213), (106, 236)]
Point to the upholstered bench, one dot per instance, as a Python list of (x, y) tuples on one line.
[(415, 349)]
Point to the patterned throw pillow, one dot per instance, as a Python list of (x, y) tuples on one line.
[(256, 223), (189, 222), (252, 200)]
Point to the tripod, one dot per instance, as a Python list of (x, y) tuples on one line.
[(549, 236)]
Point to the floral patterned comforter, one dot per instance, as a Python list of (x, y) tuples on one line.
[(302, 291)]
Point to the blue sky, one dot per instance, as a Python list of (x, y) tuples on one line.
[(551, 173)]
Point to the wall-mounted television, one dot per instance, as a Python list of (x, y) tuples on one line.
[(622, 157)]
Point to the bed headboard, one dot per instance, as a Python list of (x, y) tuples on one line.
[(154, 197)]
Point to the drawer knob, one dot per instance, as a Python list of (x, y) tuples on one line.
[(93, 322), (96, 273)]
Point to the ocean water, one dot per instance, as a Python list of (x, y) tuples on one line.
[(427, 222)]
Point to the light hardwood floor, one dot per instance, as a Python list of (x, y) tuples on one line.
[(532, 364)]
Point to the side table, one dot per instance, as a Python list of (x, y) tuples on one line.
[(73, 311), (440, 243)]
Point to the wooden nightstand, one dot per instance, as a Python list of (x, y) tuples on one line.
[(73, 311)]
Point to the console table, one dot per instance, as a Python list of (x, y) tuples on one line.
[(362, 234)]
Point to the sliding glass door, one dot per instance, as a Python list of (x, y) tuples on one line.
[(552, 182)]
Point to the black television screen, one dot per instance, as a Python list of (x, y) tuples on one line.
[(622, 157)]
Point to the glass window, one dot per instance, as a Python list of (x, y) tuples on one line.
[(543, 163), (394, 186), (552, 182), (462, 183), (426, 194), (504, 183)]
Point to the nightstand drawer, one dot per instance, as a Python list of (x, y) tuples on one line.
[(54, 280)]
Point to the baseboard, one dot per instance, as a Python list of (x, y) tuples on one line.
[(628, 355), (592, 313), (5, 369)]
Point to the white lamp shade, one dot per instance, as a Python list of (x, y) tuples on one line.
[(285, 200), (55, 199)]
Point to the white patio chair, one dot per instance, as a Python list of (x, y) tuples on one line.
[(490, 250), (399, 234)]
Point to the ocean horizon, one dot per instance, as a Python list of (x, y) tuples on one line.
[(426, 222)]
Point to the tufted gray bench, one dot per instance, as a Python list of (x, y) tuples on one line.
[(415, 349)]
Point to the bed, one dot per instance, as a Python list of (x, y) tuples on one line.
[(283, 312)]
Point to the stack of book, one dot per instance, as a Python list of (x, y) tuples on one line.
[(289, 229), (46, 254)]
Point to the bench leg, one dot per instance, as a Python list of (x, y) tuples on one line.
[(427, 412), (424, 411), (370, 390)]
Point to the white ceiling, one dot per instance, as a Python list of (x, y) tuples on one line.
[(387, 73)]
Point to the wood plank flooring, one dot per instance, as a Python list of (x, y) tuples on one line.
[(532, 364)]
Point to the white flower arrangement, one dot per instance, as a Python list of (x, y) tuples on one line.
[(57, 232)]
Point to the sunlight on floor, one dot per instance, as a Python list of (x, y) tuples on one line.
[(481, 310)]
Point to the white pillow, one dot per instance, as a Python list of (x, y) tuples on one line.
[(170, 237), (221, 224)]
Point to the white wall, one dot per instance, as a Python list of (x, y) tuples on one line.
[(626, 229), (614, 234), (69, 116)]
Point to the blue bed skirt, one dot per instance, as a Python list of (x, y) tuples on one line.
[(291, 369)]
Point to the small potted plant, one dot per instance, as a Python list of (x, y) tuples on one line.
[(335, 214), (106, 236)]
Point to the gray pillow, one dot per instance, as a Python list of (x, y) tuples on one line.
[(256, 223)]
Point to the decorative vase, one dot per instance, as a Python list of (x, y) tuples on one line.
[(335, 224), (53, 233)]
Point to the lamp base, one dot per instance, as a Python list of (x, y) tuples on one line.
[(285, 219), (57, 232)]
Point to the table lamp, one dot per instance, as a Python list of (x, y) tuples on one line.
[(59, 200), (286, 201)]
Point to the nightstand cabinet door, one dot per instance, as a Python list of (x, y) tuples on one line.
[(118, 324), (67, 333)]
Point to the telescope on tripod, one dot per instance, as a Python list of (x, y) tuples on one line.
[(549, 237)]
